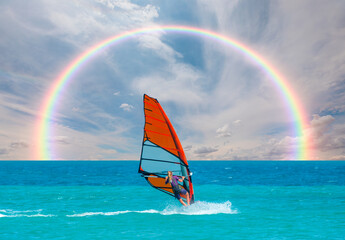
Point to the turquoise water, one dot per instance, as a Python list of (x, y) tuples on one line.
[(109, 200)]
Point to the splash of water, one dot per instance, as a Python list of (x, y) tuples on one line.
[(201, 208)]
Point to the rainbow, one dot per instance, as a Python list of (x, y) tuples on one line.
[(295, 108)]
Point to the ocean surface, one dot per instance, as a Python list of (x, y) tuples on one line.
[(234, 200)]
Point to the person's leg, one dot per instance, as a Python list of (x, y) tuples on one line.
[(178, 196), (187, 195), (184, 192), (182, 202)]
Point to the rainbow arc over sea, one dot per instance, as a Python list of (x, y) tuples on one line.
[(294, 106)]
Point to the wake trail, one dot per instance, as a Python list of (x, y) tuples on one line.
[(198, 208), (9, 213)]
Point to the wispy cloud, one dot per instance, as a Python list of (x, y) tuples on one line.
[(60, 140), (203, 151), (47, 36)]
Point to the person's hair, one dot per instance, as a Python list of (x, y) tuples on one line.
[(170, 176)]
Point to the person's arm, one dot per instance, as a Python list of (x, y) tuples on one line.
[(181, 179), (166, 180)]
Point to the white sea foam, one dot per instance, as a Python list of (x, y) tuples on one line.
[(198, 208), (97, 213), (19, 211), (9, 213), (111, 213), (26, 215)]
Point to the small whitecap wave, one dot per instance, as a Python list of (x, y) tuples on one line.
[(9, 213)]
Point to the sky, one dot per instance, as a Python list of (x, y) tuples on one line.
[(222, 106)]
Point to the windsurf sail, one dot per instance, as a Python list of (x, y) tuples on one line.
[(162, 151)]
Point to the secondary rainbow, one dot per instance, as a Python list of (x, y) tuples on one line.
[(295, 108)]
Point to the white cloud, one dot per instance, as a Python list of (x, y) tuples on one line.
[(126, 107), (97, 19), (319, 125), (223, 131), (134, 12), (153, 42), (237, 122), (326, 137)]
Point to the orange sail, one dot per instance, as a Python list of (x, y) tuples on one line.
[(162, 151)]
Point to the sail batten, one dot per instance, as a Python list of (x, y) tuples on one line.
[(162, 150), (157, 160)]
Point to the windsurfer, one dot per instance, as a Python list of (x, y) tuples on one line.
[(177, 189)]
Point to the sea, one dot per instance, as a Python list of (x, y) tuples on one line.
[(233, 200)]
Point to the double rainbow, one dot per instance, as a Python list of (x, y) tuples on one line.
[(295, 109)]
